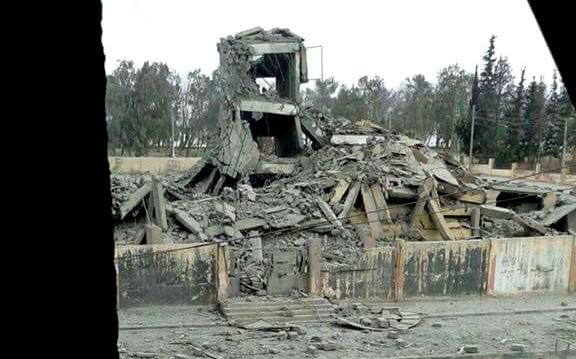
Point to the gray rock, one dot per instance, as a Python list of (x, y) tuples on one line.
[(437, 325), (366, 322), (393, 334), (383, 322), (292, 335), (376, 309), (282, 335), (327, 346), (470, 348), (401, 343), (316, 339), (298, 329), (311, 349), (518, 347)]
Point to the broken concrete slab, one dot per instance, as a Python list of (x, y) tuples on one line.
[(353, 139), (188, 221), (557, 214), (278, 108), (135, 199)]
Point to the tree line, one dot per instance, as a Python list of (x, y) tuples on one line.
[(515, 119)]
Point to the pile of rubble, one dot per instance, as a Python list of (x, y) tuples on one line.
[(369, 185), (353, 184)]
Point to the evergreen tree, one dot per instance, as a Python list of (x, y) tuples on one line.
[(485, 116), (515, 124), (534, 120), (554, 121)]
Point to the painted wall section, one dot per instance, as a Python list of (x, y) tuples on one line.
[(530, 265), (166, 274), (150, 165), (444, 268), (371, 277)]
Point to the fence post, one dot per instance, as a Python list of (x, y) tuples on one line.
[(490, 165), (399, 270), (314, 266)]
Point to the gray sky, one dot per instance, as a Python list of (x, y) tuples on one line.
[(392, 39)]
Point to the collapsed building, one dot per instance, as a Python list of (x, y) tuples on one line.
[(281, 174)]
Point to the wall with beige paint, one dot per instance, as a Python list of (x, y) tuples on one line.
[(150, 165)]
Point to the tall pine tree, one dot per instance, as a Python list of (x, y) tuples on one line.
[(554, 121), (534, 120), (486, 111), (515, 124)]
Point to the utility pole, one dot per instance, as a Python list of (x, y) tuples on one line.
[(563, 168), (172, 152), (473, 101), (471, 139)]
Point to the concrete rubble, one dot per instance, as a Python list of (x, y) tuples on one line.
[(351, 183)]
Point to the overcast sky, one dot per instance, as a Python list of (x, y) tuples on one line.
[(392, 39)]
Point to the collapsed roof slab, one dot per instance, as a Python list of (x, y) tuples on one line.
[(284, 47), (278, 108), (273, 167)]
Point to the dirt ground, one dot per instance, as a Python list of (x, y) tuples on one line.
[(452, 325)]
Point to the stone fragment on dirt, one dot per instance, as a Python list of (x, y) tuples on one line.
[(470, 348), (515, 347)]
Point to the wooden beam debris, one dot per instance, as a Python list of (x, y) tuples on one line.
[(423, 195), (372, 212), (325, 208), (350, 200), (438, 219), (381, 205), (339, 191)]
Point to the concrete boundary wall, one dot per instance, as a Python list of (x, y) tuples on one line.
[(514, 172), (373, 276), (503, 266), (531, 265), (169, 274), (444, 268), (150, 165), (188, 274)]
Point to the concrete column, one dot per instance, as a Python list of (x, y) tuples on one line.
[(255, 244), (153, 234), (490, 165), (399, 270), (222, 277), (314, 266)]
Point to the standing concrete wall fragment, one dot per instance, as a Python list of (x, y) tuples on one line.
[(371, 277), (530, 265), (443, 268), (166, 274)]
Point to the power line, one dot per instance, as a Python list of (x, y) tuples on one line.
[(325, 221)]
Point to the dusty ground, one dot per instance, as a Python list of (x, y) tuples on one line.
[(442, 334)]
